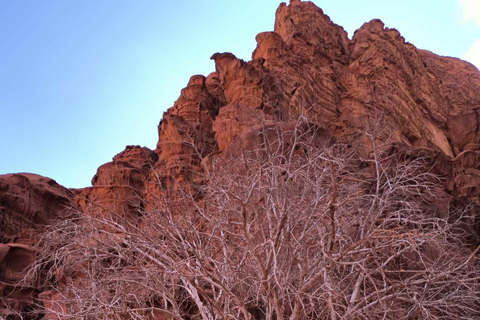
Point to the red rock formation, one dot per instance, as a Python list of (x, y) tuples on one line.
[(376, 82), (118, 187), (28, 203), (185, 132)]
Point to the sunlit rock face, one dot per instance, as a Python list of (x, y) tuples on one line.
[(118, 187), (375, 82)]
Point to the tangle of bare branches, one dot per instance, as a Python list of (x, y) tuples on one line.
[(296, 228)]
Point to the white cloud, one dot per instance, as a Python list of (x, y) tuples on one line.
[(473, 54), (470, 10)]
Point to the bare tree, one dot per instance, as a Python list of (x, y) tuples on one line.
[(298, 227)]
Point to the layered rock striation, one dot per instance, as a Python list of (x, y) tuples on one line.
[(28, 204), (375, 83)]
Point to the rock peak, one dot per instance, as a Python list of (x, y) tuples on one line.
[(415, 102)]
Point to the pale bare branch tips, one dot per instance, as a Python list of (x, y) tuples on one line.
[(298, 227)]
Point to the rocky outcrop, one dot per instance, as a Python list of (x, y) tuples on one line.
[(118, 187), (28, 204), (186, 134), (29, 201), (374, 84)]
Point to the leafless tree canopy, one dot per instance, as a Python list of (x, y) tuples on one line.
[(297, 228)]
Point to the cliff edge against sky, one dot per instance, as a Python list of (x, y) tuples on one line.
[(375, 83)]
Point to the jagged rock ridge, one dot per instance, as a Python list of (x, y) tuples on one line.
[(375, 82)]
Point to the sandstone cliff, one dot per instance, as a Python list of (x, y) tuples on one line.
[(375, 82)]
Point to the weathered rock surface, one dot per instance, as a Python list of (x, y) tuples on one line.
[(374, 83), (28, 203), (119, 186), (185, 132)]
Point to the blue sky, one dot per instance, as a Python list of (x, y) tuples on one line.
[(80, 80)]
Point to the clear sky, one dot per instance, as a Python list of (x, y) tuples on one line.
[(81, 79)]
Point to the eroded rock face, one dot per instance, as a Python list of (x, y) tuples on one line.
[(185, 132), (386, 78), (375, 83), (118, 187), (28, 204), (29, 201), (458, 83)]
